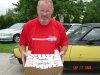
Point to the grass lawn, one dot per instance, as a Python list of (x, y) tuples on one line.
[(7, 47)]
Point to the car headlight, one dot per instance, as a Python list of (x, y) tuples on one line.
[(8, 34)]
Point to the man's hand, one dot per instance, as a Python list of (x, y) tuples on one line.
[(23, 61), (23, 52), (62, 56), (62, 52)]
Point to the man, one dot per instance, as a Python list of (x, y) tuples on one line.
[(43, 34)]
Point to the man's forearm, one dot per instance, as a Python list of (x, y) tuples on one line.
[(23, 51), (62, 52)]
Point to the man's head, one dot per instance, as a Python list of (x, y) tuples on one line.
[(44, 10)]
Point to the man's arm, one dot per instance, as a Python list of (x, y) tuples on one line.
[(23, 52), (63, 51)]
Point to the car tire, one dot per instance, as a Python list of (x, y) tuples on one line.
[(20, 61), (16, 38)]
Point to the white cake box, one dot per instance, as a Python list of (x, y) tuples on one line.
[(43, 64)]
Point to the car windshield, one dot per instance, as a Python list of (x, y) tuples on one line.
[(17, 26), (74, 27), (79, 32), (67, 27)]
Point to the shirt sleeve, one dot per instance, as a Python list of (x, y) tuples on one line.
[(23, 36)]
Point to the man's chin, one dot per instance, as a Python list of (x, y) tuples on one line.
[(45, 19), (44, 22)]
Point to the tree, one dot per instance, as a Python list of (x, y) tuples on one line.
[(8, 19), (92, 12), (26, 9), (2, 21), (69, 8)]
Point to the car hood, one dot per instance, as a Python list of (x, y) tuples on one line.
[(8, 30)]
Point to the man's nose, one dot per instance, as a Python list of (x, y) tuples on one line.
[(44, 13)]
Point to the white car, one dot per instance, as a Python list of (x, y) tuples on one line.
[(12, 33)]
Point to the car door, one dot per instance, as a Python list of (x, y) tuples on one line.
[(88, 48)]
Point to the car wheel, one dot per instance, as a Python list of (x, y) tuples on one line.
[(16, 38), (20, 61)]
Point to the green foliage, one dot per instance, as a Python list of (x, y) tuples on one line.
[(7, 20), (92, 13), (69, 7), (26, 10), (2, 22)]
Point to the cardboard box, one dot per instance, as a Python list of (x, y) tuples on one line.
[(43, 64), (37, 71)]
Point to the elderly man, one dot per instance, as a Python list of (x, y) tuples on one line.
[(43, 34)]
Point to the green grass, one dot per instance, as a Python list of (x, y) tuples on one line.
[(7, 47)]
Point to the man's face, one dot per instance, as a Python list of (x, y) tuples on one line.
[(44, 12)]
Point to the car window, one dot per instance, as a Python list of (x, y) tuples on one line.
[(17, 26), (78, 33), (94, 34), (74, 27), (67, 27)]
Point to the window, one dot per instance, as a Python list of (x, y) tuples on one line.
[(94, 34)]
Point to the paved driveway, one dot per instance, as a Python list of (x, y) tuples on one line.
[(6, 68), (9, 69)]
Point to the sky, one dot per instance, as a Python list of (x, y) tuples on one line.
[(6, 4)]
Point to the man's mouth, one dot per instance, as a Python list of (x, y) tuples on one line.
[(44, 17)]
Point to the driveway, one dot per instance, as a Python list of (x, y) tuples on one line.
[(9, 69), (6, 68)]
